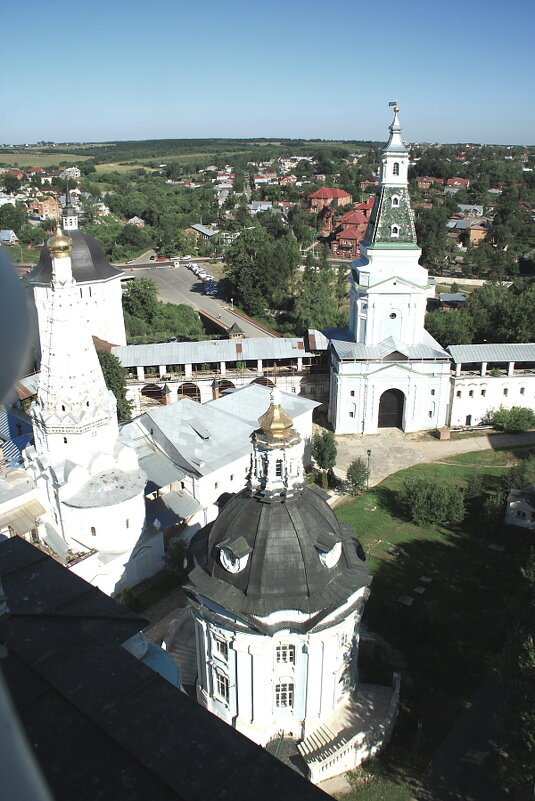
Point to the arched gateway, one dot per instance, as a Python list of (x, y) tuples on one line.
[(391, 407)]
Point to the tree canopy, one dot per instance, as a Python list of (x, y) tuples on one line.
[(115, 378)]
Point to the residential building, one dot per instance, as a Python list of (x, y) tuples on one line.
[(328, 196)]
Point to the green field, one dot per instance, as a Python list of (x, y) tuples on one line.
[(447, 639), (30, 158)]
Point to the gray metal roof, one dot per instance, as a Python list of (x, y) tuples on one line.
[(284, 570), (179, 504), (201, 438), (213, 350), (89, 264), (430, 349), (160, 469), (493, 352)]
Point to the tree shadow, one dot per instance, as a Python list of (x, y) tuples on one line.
[(449, 634)]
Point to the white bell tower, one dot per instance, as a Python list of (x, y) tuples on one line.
[(75, 415)]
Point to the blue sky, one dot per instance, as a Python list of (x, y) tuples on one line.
[(111, 69)]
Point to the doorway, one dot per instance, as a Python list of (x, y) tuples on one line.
[(391, 408)]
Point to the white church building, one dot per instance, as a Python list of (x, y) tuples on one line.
[(277, 596)]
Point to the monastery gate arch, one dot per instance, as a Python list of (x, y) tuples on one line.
[(391, 407)]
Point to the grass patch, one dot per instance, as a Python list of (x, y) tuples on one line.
[(19, 254), (450, 635)]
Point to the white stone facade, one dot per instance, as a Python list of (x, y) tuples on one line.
[(286, 682)]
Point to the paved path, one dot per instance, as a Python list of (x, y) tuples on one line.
[(392, 450)]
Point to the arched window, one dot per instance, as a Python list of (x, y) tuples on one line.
[(284, 695), (395, 201), (394, 230), (93, 531), (395, 168), (278, 468)]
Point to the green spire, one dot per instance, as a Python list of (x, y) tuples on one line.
[(392, 221)]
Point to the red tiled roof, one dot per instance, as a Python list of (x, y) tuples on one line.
[(351, 233), (353, 218), (366, 204), (458, 182), (327, 192)]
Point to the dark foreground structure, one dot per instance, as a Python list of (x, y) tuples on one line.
[(101, 724)]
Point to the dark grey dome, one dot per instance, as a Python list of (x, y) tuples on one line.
[(89, 263), (276, 557)]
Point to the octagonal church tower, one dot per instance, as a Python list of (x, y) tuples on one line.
[(277, 599), (386, 370)]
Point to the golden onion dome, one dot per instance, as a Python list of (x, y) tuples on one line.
[(59, 244), (275, 422)]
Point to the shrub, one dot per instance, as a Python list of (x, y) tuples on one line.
[(519, 418), (425, 501), (357, 476)]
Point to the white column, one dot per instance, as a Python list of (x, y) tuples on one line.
[(223, 368), (187, 371), (299, 364), (259, 365), (511, 368), (140, 373), (162, 369), (483, 368), (458, 370)]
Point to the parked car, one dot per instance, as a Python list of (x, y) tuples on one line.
[(186, 258), (130, 261), (162, 258)]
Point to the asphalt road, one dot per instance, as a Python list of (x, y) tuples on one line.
[(180, 285)]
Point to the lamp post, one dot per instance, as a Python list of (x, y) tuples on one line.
[(369, 453)]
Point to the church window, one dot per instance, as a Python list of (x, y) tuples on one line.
[(395, 168), (393, 315), (216, 485), (483, 393), (522, 390), (278, 468), (221, 647), (285, 654), (232, 476), (432, 392), (293, 390), (394, 230), (284, 695), (352, 393), (430, 414), (459, 393), (351, 414), (62, 407), (127, 523), (93, 531), (471, 393), (64, 440), (87, 403), (506, 392), (395, 201), (222, 686)]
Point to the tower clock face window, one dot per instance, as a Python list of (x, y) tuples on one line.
[(393, 315)]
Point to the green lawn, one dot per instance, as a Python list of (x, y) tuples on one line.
[(446, 640)]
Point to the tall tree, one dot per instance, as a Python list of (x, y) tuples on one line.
[(115, 378)]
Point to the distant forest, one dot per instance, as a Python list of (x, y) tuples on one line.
[(175, 148)]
